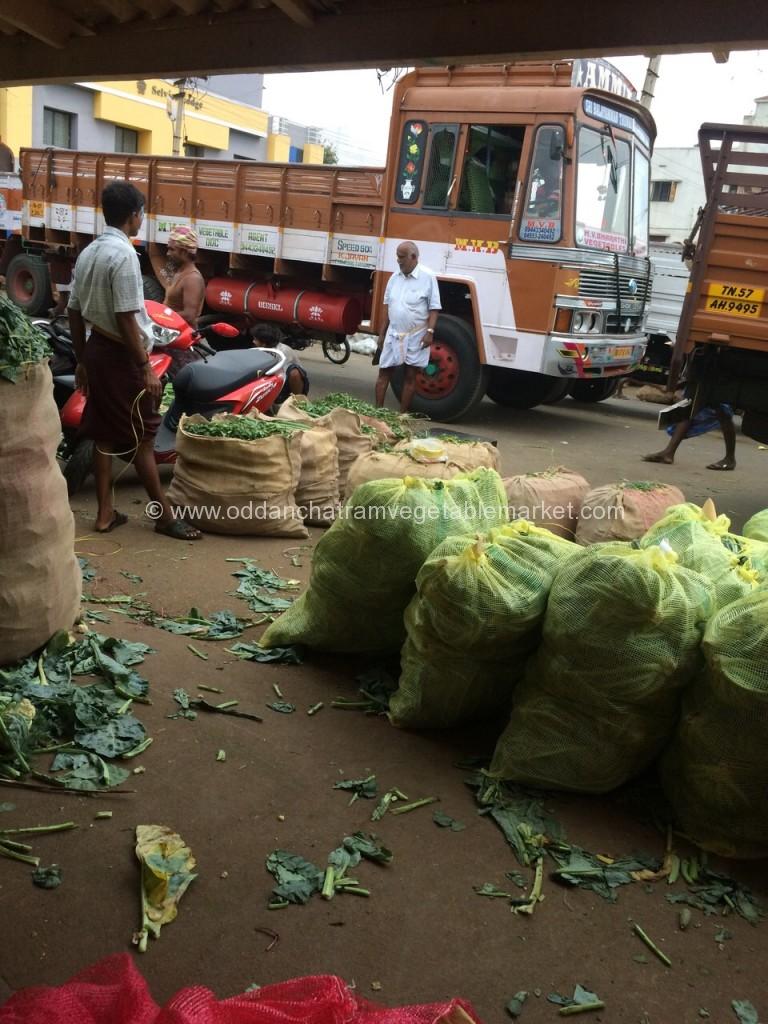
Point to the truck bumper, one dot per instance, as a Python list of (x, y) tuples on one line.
[(606, 355)]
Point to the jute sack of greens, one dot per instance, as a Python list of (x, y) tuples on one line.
[(702, 542), (364, 568), (624, 511), (600, 698), (353, 436), (432, 458), (240, 474), (474, 621), (551, 498), (756, 528), (715, 771), (41, 578), (317, 492)]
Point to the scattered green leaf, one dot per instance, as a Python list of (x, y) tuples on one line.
[(130, 576), (283, 707), (745, 1011), (446, 821), (167, 871), (276, 655), (47, 878), (360, 788), (515, 1005)]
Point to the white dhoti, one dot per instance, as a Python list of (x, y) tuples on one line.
[(404, 348)]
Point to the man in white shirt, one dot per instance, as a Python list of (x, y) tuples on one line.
[(113, 369), (411, 302)]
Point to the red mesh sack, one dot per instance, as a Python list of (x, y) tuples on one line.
[(114, 992)]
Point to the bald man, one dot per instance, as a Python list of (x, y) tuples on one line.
[(411, 305)]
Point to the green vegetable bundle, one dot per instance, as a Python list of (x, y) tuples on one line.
[(20, 342), (242, 428), (400, 426)]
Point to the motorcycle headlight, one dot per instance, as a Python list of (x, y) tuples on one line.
[(164, 335)]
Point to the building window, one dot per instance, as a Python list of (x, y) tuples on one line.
[(659, 238), (58, 128), (196, 151), (663, 191), (126, 140), (295, 155)]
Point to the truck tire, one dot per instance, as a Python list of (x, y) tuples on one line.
[(521, 389), (28, 284), (153, 290), (455, 380), (592, 391)]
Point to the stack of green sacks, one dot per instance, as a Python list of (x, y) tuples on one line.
[(364, 568), (474, 621), (703, 542), (715, 772), (600, 698)]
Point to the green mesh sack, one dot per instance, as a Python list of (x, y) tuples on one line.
[(703, 543), (715, 772), (474, 621), (364, 568), (756, 528), (600, 698)]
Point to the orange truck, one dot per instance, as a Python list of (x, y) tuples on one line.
[(524, 186), (723, 331)]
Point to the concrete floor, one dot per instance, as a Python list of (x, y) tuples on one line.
[(423, 934)]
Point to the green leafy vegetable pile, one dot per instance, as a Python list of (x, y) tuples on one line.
[(42, 710), (20, 342), (401, 426), (243, 428)]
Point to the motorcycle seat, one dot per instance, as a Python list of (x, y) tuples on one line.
[(224, 372)]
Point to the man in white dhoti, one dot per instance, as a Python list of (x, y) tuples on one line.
[(411, 304)]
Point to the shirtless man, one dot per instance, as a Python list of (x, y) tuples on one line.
[(186, 292)]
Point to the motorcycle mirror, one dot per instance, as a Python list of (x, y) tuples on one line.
[(224, 330)]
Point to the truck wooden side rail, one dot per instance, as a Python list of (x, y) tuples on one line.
[(724, 323), (281, 212)]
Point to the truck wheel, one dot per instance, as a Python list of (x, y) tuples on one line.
[(454, 381), (521, 389), (153, 290), (594, 390), (557, 392), (28, 284)]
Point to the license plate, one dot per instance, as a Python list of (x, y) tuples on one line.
[(734, 307), (622, 353), (738, 292)]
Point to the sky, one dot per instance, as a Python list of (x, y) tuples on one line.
[(691, 89)]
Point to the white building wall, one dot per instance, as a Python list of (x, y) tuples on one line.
[(672, 221)]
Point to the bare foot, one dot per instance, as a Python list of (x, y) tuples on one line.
[(660, 457), (723, 464)]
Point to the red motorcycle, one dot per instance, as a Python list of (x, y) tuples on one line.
[(235, 381)]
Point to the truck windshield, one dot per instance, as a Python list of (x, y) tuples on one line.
[(602, 191)]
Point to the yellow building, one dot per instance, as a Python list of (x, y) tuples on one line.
[(155, 116)]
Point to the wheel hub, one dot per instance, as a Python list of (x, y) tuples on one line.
[(441, 374)]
